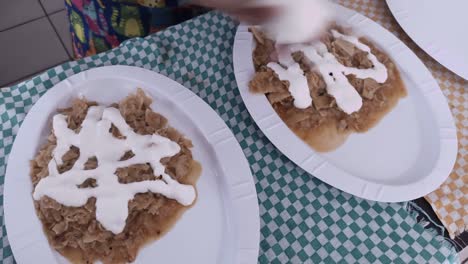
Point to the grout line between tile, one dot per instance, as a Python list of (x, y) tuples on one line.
[(55, 30), (30, 76), (55, 12), (22, 24)]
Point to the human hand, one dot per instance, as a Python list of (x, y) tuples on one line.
[(242, 10), (284, 21)]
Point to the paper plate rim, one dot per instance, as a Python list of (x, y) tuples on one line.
[(237, 174), (309, 160), (431, 46)]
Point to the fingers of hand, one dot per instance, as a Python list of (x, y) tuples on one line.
[(253, 15)]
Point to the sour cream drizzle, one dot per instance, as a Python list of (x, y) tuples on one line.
[(297, 82), (333, 72), (95, 140)]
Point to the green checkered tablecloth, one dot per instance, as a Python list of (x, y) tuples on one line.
[(303, 220)]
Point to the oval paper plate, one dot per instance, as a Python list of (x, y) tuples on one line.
[(222, 227), (438, 27), (407, 155)]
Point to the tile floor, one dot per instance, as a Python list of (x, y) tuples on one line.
[(34, 36)]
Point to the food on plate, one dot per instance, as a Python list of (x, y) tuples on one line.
[(111, 179), (328, 89)]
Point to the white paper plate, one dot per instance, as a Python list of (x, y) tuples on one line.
[(438, 27), (407, 155), (222, 227)]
